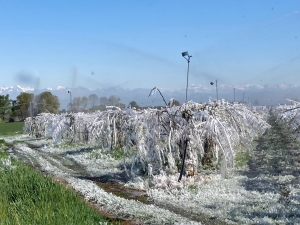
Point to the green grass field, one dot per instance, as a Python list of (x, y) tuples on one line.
[(11, 128), (28, 197)]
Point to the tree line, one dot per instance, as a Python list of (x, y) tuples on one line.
[(27, 104), (93, 102)]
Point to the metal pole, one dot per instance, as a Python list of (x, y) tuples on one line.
[(31, 108), (217, 89), (233, 94), (70, 100), (187, 79), (184, 54)]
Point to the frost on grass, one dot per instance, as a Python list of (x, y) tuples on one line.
[(6, 164), (235, 200), (128, 209), (227, 200)]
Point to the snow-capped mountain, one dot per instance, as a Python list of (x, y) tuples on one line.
[(252, 93), (14, 91)]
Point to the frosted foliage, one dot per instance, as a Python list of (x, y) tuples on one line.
[(5, 164), (290, 115), (154, 139)]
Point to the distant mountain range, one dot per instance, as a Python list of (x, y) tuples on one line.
[(256, 94)]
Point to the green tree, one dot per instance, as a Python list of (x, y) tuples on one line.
[(114, 100), (76, 104), (84, 102), (13, 109), (174, 102), (104, 100), (46, 102), (93, 100), (4, 106), (134, 104), (24, 104)]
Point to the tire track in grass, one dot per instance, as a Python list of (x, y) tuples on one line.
[(117, 207)]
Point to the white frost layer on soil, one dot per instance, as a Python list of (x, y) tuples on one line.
[(123, 208), (229, 201), (236, 200)]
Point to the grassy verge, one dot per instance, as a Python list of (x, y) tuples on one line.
[(11, 128), (28, 197)]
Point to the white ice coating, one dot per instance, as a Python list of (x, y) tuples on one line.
[(152, 142), (205, 194), (154, 139), (290, 115)]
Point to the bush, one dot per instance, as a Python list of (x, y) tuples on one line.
[(11, 120)]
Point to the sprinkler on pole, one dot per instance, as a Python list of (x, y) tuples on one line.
[(187, 57)]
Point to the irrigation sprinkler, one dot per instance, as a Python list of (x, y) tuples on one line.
[(187, 57)]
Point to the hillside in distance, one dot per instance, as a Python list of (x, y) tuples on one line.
[(249, 93)]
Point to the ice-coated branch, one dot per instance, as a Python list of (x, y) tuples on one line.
[(172, 140)]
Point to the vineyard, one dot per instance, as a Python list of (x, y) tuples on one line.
[(195, 163), (160, 141)]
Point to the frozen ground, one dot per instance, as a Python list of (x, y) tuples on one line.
[(266, 192)]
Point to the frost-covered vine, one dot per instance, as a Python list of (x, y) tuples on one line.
[(290, 115), (161, 140)]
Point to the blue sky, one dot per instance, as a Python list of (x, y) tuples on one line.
[(133, 44)]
